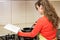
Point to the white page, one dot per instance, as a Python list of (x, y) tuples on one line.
[(12, 28)]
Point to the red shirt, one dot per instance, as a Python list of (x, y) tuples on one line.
[(44, 27)]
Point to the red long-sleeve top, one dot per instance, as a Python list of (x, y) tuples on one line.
[(44, 27)]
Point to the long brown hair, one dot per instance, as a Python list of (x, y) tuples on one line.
[(49, 11)]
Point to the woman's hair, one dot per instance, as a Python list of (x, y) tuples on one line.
[(49, 11)]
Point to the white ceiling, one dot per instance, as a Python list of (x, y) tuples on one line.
[(54, 0), (26, 0), (33, 0)]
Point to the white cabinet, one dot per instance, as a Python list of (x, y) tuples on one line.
[(29, 11), (57, 7), (5, 12), (18, 12), (23, 12)]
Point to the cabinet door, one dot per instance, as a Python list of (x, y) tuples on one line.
[(18, 12), (31, 13), (5, 12)]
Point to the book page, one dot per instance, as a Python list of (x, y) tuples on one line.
[(12, 28)]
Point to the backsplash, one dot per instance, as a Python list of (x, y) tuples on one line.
[(22, 25)]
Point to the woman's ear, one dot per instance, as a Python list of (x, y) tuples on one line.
[(41, 9), (41, 6)]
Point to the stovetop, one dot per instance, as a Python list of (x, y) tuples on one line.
[(16, 37)]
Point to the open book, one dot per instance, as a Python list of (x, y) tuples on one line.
[(12, 28)]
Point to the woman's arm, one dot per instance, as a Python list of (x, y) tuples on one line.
[(34, 32)]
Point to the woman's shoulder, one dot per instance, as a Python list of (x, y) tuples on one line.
[(43, 19)]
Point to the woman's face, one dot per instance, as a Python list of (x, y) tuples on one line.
[(40, 9)]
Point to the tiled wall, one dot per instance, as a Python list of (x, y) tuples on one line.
[(22, 25)]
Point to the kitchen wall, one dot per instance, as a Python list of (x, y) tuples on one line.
[(20, 13)]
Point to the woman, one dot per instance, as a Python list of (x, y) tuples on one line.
[(46, 26)]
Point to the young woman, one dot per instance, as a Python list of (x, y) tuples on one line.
[(47, 25)]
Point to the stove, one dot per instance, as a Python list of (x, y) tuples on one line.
[(16, 37)]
